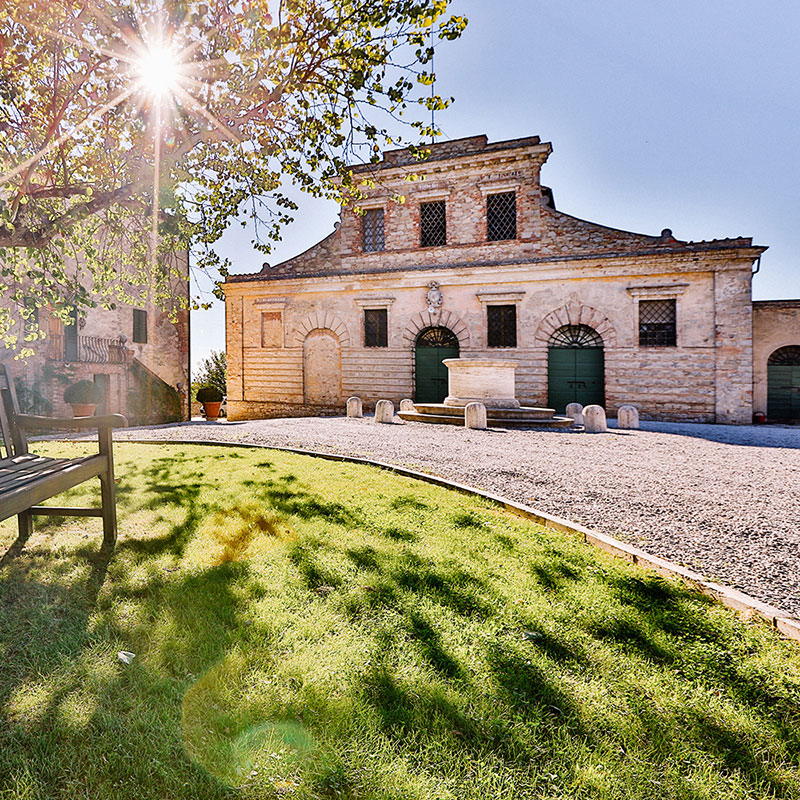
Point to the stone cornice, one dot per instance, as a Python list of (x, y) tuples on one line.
[(683, 260), (660, 290)]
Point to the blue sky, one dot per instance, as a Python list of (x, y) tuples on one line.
[(679, 115)]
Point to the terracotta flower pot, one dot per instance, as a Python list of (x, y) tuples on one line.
[(211, 410), (83, 409)]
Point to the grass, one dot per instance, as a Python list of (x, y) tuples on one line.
[(307, 629)]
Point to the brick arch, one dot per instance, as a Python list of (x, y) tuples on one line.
[(576, 313), (319, 320), (444, 319)]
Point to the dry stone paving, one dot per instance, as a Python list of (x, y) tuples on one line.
[(723, 500)]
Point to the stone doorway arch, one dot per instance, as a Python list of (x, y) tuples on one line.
[(322, 368), (575, 367), (432, 346), (783, 384)]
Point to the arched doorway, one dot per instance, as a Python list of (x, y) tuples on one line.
[(433, 345), (322, 368), (783, 384), (575, 367)]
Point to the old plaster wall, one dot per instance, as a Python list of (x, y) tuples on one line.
[(776, 323), (664, 382)]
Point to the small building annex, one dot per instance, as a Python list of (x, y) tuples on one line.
[(478, 262)]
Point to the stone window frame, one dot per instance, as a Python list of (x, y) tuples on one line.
[(490, 297), (375, 304), (663, 292), (271, 305)]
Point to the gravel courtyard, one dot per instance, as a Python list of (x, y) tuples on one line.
[(723, 500)]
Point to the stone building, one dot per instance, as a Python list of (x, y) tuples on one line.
[(478, 262), (138, 355)]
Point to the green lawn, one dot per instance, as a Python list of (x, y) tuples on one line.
[(308, 629)]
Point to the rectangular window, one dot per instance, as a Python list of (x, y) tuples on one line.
[(502, 323), (657, 323), (372, 238), (271, 329), (375, 327), (71, 336), (501, 216), (31, 319), (432, 224), (139, 326)]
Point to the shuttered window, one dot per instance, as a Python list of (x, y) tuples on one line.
[(139, 326), (376, 327)]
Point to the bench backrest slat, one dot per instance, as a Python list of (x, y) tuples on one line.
[(13, 440)]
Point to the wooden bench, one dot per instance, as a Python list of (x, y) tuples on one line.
[(27, 479)]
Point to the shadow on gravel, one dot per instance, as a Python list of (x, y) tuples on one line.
[(778, 436)]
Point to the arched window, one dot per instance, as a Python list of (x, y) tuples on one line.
[(788, 356), (437, 337), (575, 336)]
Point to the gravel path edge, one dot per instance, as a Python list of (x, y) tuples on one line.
[(732, 598)]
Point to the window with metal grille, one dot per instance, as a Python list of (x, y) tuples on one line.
[(372, 238), (501, 216), (502, 324), (376, 328), (657, 323), (139, 326), (432, 224)]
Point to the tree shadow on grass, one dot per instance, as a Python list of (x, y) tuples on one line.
[(418, 714), (63, 690)]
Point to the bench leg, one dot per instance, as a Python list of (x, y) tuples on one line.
[(109, 498), (108, 491), (25, 520)]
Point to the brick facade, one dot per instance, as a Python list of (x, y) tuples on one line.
[(558, 271)]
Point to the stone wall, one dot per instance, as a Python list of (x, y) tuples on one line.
[(776, 323), (680, 383), (559, 270), (166, 353)]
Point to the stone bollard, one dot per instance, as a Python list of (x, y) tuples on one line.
[(354, 408), (407, 405), (384, 411), (594, 419), (475, 416), (628, 417), (575, 413)]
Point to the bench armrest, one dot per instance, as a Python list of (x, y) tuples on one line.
[(29, 421)]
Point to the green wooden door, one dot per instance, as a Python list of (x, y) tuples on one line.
[(783, 392), (575, 375), (433, 346)]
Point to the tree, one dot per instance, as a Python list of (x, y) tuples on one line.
[(212, 372), (129, 128)]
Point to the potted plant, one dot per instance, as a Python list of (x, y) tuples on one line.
[(83, 396), (211, 398)]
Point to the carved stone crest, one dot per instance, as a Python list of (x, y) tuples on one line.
[(434, 297)]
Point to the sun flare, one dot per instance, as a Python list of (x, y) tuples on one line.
[(159, 71)]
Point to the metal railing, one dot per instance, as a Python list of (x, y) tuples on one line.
[(87, 350)]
